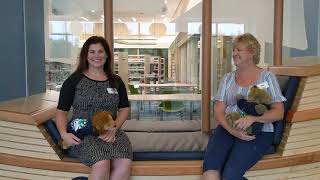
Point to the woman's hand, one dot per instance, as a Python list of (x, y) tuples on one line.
[(109, 136), (242, 135), (70, 139), (244, 123)]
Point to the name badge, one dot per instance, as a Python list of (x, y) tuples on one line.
[(112, 90), (263, 85)]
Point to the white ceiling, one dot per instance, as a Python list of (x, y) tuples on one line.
[(142, 10)]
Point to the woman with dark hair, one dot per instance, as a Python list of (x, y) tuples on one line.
[(93, 88), (230, 151)]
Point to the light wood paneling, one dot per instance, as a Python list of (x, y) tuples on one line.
[(303, 172), (312, 85), (158, 168), (26, 105), (302, 138), (16, 117), (30, 110), (35, 174), (309, 100), (26, 140), (305, 115), (302, 144), (310, 123), (298, 138), (49, 139), (19, 132), (7, 178), (314, 79), (297, 151), (309, 106), (310, 93), (300, 71), (304, 130), (42, 116), (33, 154), (26, 147), (309, 171), (18, 126), (40, 171)]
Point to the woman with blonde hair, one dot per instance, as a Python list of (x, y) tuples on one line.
[(230, 151)]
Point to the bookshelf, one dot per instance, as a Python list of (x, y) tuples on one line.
[(56, 73), (141, 68)]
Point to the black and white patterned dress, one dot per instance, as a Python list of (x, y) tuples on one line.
[(88, 96)]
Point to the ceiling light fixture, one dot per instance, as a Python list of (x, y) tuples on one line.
[(84, 18), (166, 2)]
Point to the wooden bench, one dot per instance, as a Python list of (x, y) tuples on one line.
[(25, 144)]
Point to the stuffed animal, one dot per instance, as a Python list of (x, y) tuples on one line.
[(257, 103), (102, 122), (99, 124)]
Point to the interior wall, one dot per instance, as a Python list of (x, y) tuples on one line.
[(312, 26), (35, 46), (22, 48), (318, 29), (12, 70)]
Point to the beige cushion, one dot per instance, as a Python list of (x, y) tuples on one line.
[(168, 141), (155, 136)]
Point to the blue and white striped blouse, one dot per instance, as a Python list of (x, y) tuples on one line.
[(228, 90)]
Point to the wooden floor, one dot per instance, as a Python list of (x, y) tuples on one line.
[(301, 172)]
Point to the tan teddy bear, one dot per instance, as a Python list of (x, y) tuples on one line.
[(257, 103), (100, 123)]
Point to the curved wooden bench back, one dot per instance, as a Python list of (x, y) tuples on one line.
[(300, 143)]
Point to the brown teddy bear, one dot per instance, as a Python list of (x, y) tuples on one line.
[(100, 123), (257, 103)]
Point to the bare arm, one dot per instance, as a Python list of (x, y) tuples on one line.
[(61, 121), (122, 116), (275, 113), (219, 114)]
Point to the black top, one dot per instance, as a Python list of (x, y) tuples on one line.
[(88, 96)]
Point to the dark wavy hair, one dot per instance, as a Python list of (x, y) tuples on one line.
[(83, 62)]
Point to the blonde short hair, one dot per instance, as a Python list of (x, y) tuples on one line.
[(251, 43)]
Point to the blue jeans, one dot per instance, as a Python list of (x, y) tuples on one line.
[(231, 156)]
